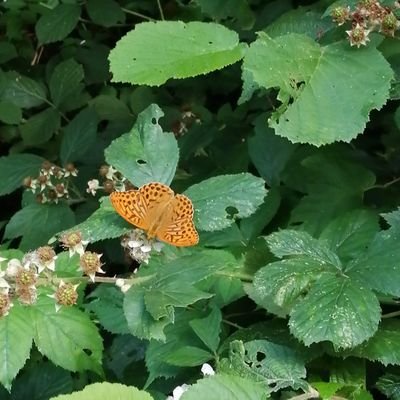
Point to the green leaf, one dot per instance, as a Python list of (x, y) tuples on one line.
[(220, 387), (66, 337), (16, 167), (327, 389), (40, 127), (213, 197), (42, 382), (7, 52), (378, 267), (268, 363), (106, 12), (178, 50), (150, 306), (103, 224), (10, 113), (351, 233), (146, 153), (22, 91), (389, 385), (269, 152), (37, 223), (67, 266), (15, 342), (284, 282), (188, 356), (65, 81), (312, 78), (58, 23), (107, 304), (338, 310), (106, 391), (339, 186), (208, 329), (299, 243), (383, 346), (79, 136)]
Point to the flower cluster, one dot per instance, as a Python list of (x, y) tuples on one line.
[(111, 180), (368, 16), (187, 119), (19, 279), (52, 183), (138, 246)]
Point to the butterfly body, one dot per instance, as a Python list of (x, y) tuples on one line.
[(156, 209)]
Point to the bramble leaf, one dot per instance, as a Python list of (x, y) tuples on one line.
[(146, 153), (214, 197), (312, 79), (154, 52)]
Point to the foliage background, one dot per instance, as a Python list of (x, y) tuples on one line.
[(287, 141)]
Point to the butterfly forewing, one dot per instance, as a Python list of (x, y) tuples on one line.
[(177, 227), (131, 206)]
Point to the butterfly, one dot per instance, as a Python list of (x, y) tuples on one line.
[(156, 209)]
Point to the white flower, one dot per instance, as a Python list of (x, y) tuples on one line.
[(207, 369), (12, 267), (178, 392), (110, 173), (93, 186), (120, 282), (3, 283)]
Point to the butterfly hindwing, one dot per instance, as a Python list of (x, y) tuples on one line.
[(178, 228)]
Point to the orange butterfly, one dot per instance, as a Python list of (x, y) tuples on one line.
[(156, 209)]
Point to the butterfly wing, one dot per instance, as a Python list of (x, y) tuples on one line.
[(131, 206), (177, 227), (143, 207)]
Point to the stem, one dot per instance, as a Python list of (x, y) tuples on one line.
[(242, 276), (102, 279), (161, 10), (137, 14), (225, 321), (391, 315), (312, 394), (385, 185)]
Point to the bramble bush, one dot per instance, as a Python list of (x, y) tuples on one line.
[(279, 121)]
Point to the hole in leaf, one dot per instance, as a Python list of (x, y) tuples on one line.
[(88, 352), (260, 356), (141, 162), (154, 121), (231, 211)]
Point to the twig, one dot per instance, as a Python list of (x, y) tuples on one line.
[(161, 10), (137, 14)]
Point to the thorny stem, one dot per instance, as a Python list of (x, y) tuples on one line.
[(385, 185), (391, 315), (161, 10), (102, 279), (137, 14)]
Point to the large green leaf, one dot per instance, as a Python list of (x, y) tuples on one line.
[(65, 81), (378, 267), (106, 391), (79, 136), (338, 310), (299, 243), (40, 127), (149, 306), (37, 223), (214, 197), (284, 282), (66, 337), (15, 342), (389, 384), (266, 362), (351, 233), (14, 168), (225, 387), (383, 346), (103, 224), (42, 382), (314, 86), (57, 23), (154, 52), (146, 153)]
